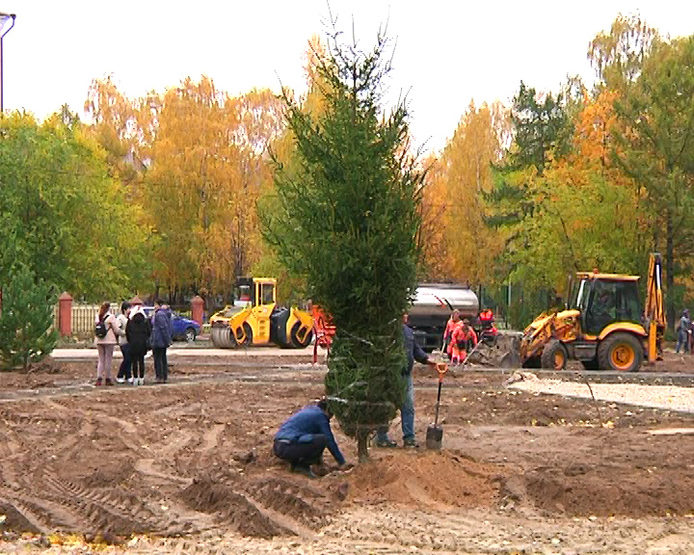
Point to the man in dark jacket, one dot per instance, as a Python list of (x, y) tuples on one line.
[(162, 334), (302, 439), (414, 352)]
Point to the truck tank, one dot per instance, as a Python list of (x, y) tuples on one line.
[(432, 307)]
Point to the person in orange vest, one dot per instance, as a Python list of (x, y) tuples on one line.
[(463, 339), (452, 323), (486, 318)]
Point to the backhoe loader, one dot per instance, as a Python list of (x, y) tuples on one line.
[(262, 322), (603, 325)]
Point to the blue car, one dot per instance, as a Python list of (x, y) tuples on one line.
[(184, 329)]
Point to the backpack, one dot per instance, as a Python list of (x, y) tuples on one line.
[(101, 329)]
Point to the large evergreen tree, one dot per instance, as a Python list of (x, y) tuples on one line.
[(345, 217)]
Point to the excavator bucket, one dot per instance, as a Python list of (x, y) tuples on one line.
[(503, 353)]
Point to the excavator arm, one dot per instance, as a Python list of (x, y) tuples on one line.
[(654, 311)]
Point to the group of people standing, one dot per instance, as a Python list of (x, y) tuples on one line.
[(136, 334), (458, 338)]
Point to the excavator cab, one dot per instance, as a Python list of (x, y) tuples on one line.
[(608, 301)]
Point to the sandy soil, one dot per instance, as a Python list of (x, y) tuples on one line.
[(187, 467)]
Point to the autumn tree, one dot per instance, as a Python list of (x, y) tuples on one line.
[(125, 129), (541, 127), (207, 171), (63, 217), (656, 148), (457, 185), (618, 56), (345, 217)]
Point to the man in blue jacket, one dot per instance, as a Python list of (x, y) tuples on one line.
[(162, 334), (302, 439), (414, 352)]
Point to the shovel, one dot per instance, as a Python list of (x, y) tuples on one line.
[(435, 432)]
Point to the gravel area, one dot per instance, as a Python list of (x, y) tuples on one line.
[(664, 397)]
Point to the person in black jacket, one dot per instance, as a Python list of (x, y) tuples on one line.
[(138, 331)]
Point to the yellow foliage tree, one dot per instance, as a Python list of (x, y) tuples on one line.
[(462, 246), (207, 172)]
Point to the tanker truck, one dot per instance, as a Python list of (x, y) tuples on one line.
[(432, 306)]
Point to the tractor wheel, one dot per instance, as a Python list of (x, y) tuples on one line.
[(554, 355), (301, 337), (621, 352), (243, 335), (533, 362)]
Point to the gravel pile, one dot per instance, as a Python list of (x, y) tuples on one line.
[(664, 397)]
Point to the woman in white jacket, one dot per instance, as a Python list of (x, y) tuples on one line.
[(105, 345)]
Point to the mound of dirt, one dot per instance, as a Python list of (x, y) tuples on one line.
[(583, 490), (435, 479)]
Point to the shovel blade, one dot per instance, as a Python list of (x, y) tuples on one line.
[(434, 437)]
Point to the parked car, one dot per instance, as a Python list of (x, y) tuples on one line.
[(184, 329)]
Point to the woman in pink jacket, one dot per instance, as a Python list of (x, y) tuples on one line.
[(105, 345)]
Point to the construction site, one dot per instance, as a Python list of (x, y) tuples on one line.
[(550, 461)]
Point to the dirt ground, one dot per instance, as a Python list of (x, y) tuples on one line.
[(187, 467)]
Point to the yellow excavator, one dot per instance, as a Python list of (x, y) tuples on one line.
[(262, 321), (603, 325)]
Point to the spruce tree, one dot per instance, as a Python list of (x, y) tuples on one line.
[(26, 320), (345, 217)]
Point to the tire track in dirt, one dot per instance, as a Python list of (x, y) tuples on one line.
[(261, 508)]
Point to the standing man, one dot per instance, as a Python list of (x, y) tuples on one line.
[(302, 439), (414, 352), (683, 332), (124, 370), (162, 334)]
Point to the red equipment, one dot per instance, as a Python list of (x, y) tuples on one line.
[(323, 331)]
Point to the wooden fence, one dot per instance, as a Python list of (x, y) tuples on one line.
[(83, 318)]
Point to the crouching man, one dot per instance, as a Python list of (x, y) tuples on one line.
[(302, 439)]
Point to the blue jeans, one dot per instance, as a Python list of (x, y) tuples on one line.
[(302, 454), (406, 414), (682, 340)]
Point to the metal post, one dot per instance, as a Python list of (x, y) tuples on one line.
[(3, 19)]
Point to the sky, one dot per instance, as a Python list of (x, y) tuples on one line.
[(447, 53)]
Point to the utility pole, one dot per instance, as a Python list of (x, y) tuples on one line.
[(4, 19)]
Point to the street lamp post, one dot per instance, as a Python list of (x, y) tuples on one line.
[(4, 19)]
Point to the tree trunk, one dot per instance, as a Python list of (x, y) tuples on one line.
[(363, 446)]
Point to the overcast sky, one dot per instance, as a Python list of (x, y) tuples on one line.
[(448, 53)]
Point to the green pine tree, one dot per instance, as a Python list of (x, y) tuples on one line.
[(26, 320), (345, 217)]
